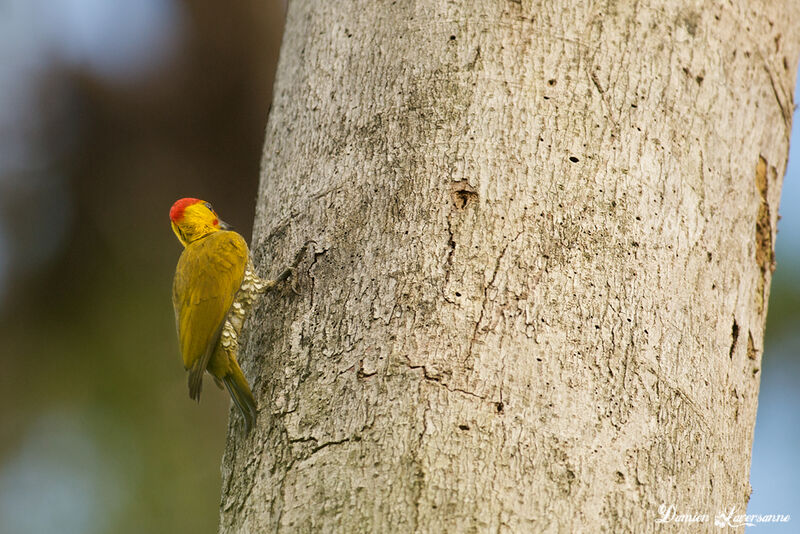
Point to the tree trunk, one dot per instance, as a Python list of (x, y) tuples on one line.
[(544, 241)]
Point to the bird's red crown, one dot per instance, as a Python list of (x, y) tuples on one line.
[(176, 211)]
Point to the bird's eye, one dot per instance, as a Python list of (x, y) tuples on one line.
[(208, 205)]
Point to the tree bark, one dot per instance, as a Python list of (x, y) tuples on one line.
[(544, 242)]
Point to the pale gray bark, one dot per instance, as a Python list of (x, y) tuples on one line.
[(544, 247)]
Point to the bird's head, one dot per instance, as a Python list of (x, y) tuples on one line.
[(193, 218)]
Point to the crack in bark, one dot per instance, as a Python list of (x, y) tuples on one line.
[(307, 368), (295, 214), (290, 465), (317, 448), (786, 111), (437, 380), (486, 288), (311, 276), (679, 392), (448, 264), (589, 68), (596, 82), (474, 62), (734, 338), (764, 256), (329, 444)]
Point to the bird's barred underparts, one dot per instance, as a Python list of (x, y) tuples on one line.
[(252, 287)]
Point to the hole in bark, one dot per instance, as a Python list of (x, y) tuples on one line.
[(458, 294), (452, 37), (463, 197), (463, 194), (573, 159), (463, 427), (734, 337), (499, 407), (551, 82)]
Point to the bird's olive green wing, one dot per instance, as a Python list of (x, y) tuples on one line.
[(209, 273)]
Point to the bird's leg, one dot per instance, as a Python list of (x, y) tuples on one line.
[(259, 285)]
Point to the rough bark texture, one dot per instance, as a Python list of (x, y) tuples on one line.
[(544, 236)]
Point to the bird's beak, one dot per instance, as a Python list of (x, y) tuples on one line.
[(225, 226)]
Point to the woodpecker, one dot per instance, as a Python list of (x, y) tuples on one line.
[(214, 288)]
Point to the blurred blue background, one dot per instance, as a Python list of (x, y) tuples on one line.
[(109, 111), (775, 471)]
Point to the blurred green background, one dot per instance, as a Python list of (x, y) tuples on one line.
[(109, 111)]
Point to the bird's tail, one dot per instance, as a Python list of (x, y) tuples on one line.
[(240, 392)]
